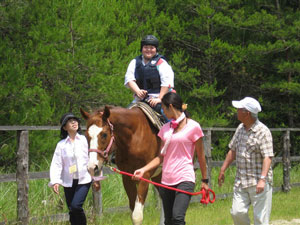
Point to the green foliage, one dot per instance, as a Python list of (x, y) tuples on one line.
[(57, 56), (41, 149), (8, 151), (220, 141), (43, 202)]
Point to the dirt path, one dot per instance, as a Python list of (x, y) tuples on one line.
[(285, 222)]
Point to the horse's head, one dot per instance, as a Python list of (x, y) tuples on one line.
[(99, 133)]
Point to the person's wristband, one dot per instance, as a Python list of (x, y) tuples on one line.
[(263, 178), (205, 181)]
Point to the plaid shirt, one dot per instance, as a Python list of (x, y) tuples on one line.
[(251, 148)]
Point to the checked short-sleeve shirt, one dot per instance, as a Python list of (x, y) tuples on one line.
[(251, 148)]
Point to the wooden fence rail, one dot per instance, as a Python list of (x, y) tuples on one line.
[(22, 175)]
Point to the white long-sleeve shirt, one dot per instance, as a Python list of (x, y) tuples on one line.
[(65, 156)]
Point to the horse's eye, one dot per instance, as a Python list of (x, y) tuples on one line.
[(103, 135)]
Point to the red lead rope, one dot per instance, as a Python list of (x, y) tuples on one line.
[(205, 194)]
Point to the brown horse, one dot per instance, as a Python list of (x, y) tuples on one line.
[(135, 143)]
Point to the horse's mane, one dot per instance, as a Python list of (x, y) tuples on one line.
[(101, 109), (94, 115)]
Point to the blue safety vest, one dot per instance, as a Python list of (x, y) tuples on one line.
[(147, 77)]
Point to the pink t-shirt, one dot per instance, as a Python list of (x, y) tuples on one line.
[(178, 160)]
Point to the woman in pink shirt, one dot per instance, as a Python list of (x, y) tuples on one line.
[(180, 138)]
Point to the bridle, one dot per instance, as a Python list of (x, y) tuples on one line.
[(105, 153)]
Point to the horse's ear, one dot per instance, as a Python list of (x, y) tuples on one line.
[(84, 114), (106, 113)]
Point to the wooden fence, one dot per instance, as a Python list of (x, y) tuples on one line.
[(22, 176)]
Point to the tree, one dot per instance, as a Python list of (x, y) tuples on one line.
[(57, 56)]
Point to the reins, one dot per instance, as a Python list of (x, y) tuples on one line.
[(205, 193)]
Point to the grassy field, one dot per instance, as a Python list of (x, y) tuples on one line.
[(43, 202)]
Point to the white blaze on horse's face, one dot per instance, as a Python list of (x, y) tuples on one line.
[(93, 132)]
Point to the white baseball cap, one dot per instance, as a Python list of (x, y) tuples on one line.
[(248, 103)]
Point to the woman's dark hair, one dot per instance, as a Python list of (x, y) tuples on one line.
[(175, 100), (64, 134)]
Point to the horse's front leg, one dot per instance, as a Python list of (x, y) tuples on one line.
[(137, 196), (137, 214)]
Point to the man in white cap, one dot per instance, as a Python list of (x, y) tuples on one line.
[(252, 148)]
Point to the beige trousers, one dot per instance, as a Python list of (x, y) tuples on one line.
[(262, 204)]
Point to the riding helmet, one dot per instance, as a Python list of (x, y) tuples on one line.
[(149, 40)]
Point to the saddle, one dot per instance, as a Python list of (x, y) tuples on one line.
[(156, 119)]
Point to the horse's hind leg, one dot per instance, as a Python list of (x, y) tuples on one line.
[(137, 198)]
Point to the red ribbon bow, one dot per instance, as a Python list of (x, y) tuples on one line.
[(174, 124)]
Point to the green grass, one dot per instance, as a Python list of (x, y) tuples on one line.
[(43, 202)]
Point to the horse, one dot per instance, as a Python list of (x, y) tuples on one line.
[(135, 142)]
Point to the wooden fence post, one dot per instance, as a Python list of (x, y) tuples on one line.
[(97, 202), (207, 147), (22, 177), (286, 161)]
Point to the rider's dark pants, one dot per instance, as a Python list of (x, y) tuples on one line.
[(75, 197), (175, 203), (157, 108)]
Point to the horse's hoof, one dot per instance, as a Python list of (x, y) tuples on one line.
[(137, 222), (137, 218)]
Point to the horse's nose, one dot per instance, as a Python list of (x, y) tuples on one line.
[(97, 170), (92, 168)]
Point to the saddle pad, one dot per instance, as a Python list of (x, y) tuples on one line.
[(155, 118)]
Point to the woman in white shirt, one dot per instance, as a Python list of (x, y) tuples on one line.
[(69, 167)]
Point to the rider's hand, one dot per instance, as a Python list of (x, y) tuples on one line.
[(56, 188), (138, 174), (154, 101), (141, 93)]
